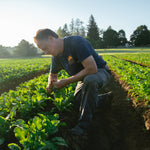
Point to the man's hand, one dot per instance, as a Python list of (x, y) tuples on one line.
[(60, 83), (52, 77), (49, 88)]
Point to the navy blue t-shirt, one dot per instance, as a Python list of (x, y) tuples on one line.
[(76, 49)]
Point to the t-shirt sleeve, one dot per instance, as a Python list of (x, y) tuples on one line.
[(82, 50), (55, 66)]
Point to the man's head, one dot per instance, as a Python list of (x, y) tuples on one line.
[(43, 34), (45, 40)]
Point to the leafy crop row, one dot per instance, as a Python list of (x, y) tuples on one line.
[(24, 111), (141, 58), (136, 76), (11, 69)]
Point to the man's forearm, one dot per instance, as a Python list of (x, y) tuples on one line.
[(90, 67), (80, 76)]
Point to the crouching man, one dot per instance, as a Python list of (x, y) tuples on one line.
[(75, 55)]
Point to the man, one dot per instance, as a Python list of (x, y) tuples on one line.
[(83, 64)]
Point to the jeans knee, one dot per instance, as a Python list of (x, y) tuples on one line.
[(90, 80)]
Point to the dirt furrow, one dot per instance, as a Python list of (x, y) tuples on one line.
[(143, 65)]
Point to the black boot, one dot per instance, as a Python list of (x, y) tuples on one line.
[(77, 130)]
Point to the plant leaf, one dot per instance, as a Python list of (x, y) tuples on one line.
[(14, 146), (2, 140), (59, 141)]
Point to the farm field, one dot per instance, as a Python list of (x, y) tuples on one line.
[(142, 59), (28, 110), (123, 51), (136, 76), (13, 70), (24, 111), (16, 68)]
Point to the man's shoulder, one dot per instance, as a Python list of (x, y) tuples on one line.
[(74, 41), (73, 38)]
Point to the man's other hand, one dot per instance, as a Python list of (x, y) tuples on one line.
[(60, 83), (49, 88)]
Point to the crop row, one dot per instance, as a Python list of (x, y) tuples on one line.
[(11, 69), (141, 58), (24, 111), (136, 76)]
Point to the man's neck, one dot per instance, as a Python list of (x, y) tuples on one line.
[(60, 46)]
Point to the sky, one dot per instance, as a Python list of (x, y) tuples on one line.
[(20, 19)]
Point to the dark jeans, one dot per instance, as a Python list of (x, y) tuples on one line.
[(86, 95)]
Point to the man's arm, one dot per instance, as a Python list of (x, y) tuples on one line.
[(90, 67)]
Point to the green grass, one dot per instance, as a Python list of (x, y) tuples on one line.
[(122, 51)]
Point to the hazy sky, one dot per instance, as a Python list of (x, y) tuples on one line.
[(20, 19)]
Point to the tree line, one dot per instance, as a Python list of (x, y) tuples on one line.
[(23, 49), (98, 38), (108, 38)]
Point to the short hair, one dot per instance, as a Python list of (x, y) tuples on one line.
[(43, 34)]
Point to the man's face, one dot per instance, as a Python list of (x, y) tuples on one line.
[(47, 46)]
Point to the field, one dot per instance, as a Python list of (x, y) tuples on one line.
[(32, 119), (13, 71)]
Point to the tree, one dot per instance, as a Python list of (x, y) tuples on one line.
[(122, 37), (93, 31), (60, 32), (4, 53), (82, 31), (141, 36), (72, 27), (79, 28), (25, 49), (110, 38), (63, 32), (76, 28)]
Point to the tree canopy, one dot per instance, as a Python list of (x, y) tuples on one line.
[(25, 49), (110, 38), (141, 36), (122, 37), (93, 32), (100, 38), (4, 53), (75, 28)]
